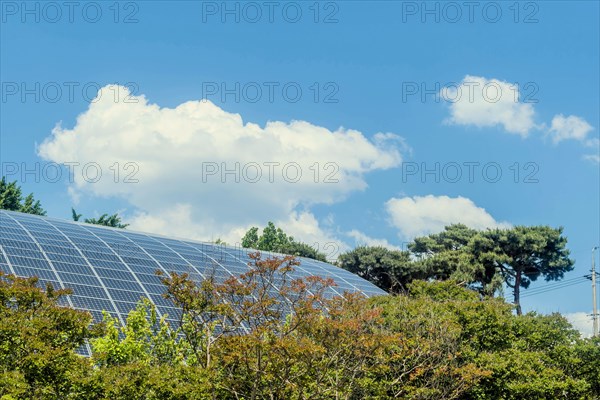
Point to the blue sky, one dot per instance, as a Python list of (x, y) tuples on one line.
[(521, 99)]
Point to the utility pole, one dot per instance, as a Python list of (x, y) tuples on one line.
[(595, 305)]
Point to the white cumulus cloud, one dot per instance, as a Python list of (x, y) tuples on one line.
[(198, 171), (481, 102), (423, 215), (361, 239), (487, 103), (571, 127)]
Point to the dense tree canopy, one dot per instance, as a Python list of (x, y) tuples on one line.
[(11, 198), (460, 253), (391, 270), (249, 338), (481, 260)]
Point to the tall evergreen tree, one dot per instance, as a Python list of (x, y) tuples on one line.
[(530, 252), (484, 260)]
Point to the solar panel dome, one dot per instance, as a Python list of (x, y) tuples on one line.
[(110, 269)]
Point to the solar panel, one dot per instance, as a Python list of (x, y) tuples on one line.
[(110, 269)]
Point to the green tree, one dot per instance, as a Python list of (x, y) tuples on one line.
[(144, 339), (279, 343), (250, 239), (453, 237), (273, 238), (484, 260), (458, 253), (11, 198), (519, 356), (530, 252), (535, 358), (139, 381), (391, 270), (429, 364), (442, 254), (113, 221), (587, 364), (276, 240), (300, 249), (38, 339)]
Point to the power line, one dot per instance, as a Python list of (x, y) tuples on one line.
[(557, 284), (554, 285), (540, 291)]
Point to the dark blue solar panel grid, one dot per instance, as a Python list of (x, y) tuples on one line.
[(65, 249), (20, 244), (145, 267), (231, 262), (25, 261), (10, 229), (82, 269), (6, 219), (20, 252), (232, 265), (210, 262), (118, 243), (91, 303), (87, 281), (170, 261), (8, 224), (124, 263), (96, 292), (150, 250), (233, 256), (39, 272), (125, 307), (120, 282), (142, 264), (14, 234), (345, 280), (64, 257)]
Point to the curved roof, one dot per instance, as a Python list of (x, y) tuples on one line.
[(111, 269)]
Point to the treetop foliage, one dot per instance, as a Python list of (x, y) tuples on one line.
[(481, 260), (265, 335), (276, 240), (391, 270), (113, 221), (11, 198)]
